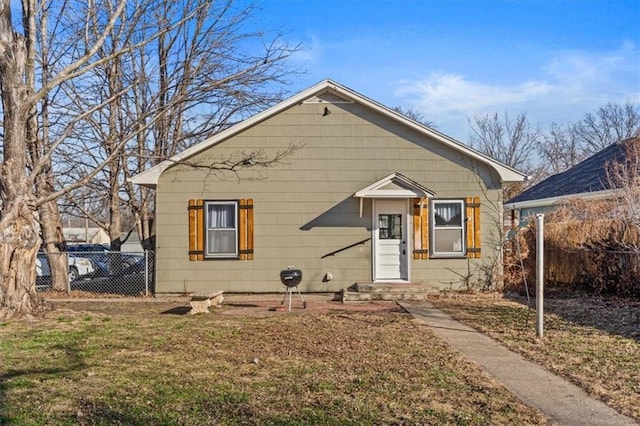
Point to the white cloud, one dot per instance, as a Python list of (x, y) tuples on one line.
[(452, 93), (568, 86)]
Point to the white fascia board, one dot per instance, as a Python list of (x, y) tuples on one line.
[(542, 202), (149, 177), (390, 193)]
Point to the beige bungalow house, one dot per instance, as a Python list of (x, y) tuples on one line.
[(361, 194)]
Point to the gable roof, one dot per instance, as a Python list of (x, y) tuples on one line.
[(150, 176), (396, 185), (587, 179)]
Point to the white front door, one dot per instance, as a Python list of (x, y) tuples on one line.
[(390, 240)]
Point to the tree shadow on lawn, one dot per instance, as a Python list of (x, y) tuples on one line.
[(71, 363), (90, 412), (613, 315)]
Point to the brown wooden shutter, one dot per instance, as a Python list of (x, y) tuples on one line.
[(473, 227), (250, 229), (245, 230), (420, 230), (196, 230), (424, 222)]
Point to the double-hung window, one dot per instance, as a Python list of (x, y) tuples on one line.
[(447, 236), (221, 229)]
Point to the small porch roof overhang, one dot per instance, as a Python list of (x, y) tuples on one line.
[(395, 185)]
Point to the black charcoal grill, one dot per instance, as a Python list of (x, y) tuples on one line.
[(291, 278)]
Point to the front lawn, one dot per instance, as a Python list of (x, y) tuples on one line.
[(149, 365)]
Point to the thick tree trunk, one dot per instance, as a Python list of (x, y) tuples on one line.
[(115, 226), (19, 234), (20, 242), (53, 241), (144, 225), (50, 221), (115, 233)]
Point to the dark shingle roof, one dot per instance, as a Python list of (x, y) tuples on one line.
[(589, 175)]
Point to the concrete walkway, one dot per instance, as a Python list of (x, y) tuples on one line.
[(563, 402)]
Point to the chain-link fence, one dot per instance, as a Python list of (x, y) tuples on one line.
[(102, 272)]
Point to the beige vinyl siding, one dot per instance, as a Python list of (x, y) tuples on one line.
[(303, 208)]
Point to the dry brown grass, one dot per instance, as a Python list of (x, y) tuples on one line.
[(146, 363), (592, 341)]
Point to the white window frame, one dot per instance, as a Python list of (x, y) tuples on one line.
[(208, 229), (433, 231)]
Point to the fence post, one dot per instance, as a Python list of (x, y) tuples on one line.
[(540, 275), (146, 273), (68, 278)]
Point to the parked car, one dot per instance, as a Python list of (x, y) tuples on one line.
[(132, 280), (79, 267), (106, 262)]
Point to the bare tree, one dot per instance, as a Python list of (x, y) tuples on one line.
[(609, 124), (624, 175), (564, 146), (20, 195), (511, 141), (193, 80), (78, 64), (51, 228), (560, 149), (415, 115)]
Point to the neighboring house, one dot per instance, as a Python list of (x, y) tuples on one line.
[(368, 196), (132, 243), (86, 235), (586, 180), (81, 235)]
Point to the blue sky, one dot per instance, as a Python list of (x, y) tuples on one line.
[(453, 59)]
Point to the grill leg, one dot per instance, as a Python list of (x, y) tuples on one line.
[(304, 304), (290, 290)]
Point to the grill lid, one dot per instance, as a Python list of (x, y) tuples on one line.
[(291, 277)]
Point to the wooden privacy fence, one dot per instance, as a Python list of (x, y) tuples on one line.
[(614, 272), (599, 256), (564, 266)]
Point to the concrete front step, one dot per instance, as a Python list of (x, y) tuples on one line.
[(362, 292), (354, 296), (389, 288)]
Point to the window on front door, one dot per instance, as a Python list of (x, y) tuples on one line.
[(390, 226)]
